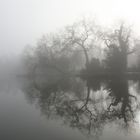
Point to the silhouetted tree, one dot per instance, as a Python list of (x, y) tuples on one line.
[(119, 47), (114, 60), (83, 36), (49, 54)]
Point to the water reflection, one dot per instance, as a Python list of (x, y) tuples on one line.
[(121, 98), (87, 105)]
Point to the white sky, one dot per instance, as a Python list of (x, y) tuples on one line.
[(24, 21)]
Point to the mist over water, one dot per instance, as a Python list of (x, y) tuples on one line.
[(63, 110), (69, 70)]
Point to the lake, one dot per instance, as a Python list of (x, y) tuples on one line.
[(69, 108)]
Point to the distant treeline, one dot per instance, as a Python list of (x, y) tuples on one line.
[(84, 48)]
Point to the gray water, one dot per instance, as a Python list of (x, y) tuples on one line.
[(57, 111)]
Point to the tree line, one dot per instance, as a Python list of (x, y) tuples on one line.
[(83, 48)]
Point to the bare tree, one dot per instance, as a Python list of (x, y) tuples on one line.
[(120, 45), (83, 36)]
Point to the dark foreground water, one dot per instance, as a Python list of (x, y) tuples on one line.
[(69, 109)]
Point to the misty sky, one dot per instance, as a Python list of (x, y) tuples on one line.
[(24, 21)]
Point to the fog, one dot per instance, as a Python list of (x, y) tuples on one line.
[(69, 69), (23, 22)]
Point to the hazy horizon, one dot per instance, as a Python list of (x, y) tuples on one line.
[(24, 22)]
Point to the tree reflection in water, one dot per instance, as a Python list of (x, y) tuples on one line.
[(121, 98), (79, 104)]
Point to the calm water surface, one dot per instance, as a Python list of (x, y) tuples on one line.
[(69, 108)]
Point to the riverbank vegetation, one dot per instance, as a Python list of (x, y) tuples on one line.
[(84, 48)]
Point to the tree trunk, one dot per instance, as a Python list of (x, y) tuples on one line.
[(86, 56)]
